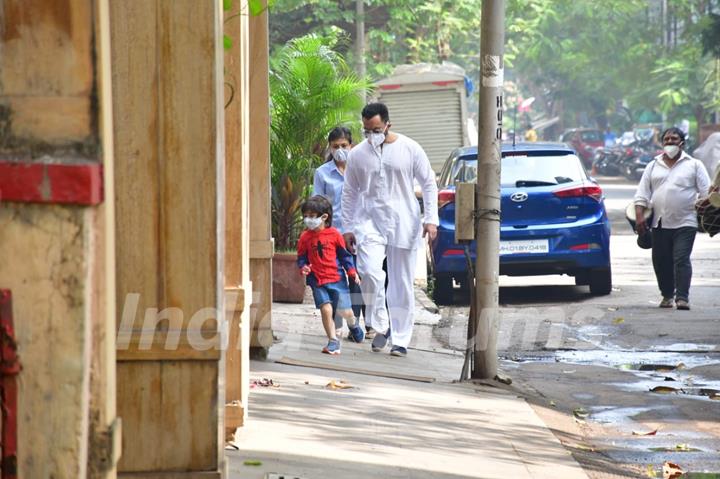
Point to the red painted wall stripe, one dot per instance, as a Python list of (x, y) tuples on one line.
[(79, 184), (445, 82)]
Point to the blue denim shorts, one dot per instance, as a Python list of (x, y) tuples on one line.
[(337, 294)]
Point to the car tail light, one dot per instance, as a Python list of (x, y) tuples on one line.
[(593, 191), (453, 252), (585, 247), (445, 197)]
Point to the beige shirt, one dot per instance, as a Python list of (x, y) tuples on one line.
[(672, 191)]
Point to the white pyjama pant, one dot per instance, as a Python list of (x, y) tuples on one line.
[(400, 292)]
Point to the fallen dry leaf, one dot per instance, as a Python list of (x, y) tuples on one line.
[(618, 320), (650, 471), (664, 390), (580, 413), (651, 433), (263, 383), (552, 403), (583, 447), (671, 471), (334, 385)]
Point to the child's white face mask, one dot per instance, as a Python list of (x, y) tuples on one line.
[(313, 223)]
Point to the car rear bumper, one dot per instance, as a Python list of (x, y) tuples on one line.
[(560, 259)]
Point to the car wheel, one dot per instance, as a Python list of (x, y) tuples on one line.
[(601, 282), (443, 289)]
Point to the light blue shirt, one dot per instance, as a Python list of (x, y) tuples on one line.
[(329, 183)]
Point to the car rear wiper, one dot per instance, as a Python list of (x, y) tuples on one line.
[(521, 183)]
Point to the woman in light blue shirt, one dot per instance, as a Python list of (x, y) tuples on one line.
[(329, 177), (328, 182)]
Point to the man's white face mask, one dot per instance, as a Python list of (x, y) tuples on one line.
[(671, 150), (375, 138), (341, 155)]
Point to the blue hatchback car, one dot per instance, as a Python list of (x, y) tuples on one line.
[(553, 218)]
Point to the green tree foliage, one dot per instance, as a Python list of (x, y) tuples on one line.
[(312, 90), (579, 58), (398, 31)]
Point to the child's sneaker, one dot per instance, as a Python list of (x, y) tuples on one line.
[(356, 335), (333, 347)]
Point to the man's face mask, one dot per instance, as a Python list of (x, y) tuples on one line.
[(671, 150), (341, 155), (376, 138), (313, 223)]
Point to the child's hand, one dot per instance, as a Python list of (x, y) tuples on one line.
[(305, 270), (356, 277)]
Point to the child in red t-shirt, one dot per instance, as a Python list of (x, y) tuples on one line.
[(322, 257)]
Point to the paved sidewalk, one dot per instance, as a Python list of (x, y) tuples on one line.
[(384, 427)]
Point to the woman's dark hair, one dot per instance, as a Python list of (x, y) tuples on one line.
[(338, 133), (319, 205), (676, 130), (373, 109)]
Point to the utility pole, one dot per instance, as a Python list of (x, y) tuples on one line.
[(487, 190), (360, 39)]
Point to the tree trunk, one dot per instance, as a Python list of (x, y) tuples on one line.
[(699, 117)]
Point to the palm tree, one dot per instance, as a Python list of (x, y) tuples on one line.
[(312, 90)]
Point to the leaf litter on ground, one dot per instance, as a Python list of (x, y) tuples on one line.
[(671, 470), (338, 384), (664, 390)]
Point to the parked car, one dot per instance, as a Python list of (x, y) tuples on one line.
[(553, 219), (585, 141)]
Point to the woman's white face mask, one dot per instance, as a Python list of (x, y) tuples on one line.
[(340, 155)]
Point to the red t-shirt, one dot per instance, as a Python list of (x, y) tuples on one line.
[(322, 250)]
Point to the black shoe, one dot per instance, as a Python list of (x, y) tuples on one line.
[(398, 351), (380, 341)]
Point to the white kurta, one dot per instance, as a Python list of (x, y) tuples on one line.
[(380, 208), (379, 195)]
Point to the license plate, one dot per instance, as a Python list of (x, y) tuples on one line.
[(524, 247)]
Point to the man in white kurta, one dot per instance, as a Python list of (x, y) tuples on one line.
[(382, 220)]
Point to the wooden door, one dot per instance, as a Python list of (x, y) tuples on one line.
[(169, 182)]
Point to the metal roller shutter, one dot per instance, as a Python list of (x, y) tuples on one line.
[(433, 118)]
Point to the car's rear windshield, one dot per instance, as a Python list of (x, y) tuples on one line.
[(591, 136), (527, 171)]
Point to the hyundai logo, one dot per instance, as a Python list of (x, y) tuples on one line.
[(518, 197)]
